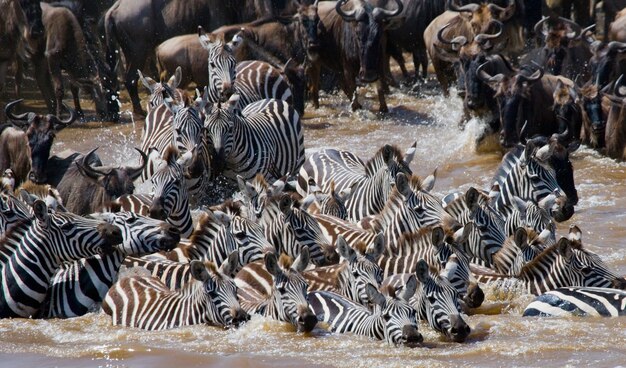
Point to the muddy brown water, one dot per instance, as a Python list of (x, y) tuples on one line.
[(505, 339)]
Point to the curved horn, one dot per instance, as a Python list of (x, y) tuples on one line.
[(134, 172), (70, 119), (618, 84), (613, 45), (534, 77), (21, 117), (88, 169), (466, 8), (522, 133), (385, 13), (510, 10), (485, 77), (576, 29), (481, 38), (315, 3), (349, 15), (538, 28), (587, 30), (456, 42)]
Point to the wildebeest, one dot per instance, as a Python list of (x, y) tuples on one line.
[(12, 25), (27, 151), (564, 8), (595, 108), (63, 47), (85, 189), (615, 136), (138, 26), (352, 43), (605, 62)]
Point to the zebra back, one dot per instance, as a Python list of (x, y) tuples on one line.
[(258, 80), (578, 301)]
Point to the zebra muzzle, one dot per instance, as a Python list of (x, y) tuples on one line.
[(112, 236), (306, 320), (239, 317), (410, 334), (459, 330)]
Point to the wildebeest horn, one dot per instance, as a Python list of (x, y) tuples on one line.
[(500, 10), (315, 3), (481, 38), (534, 77), (589, 30), (522, 132), (618, 85), (134, 172), (576, 29), (346, 15), (21, 117), (380, 13), (456, 42), (613, 45), (466, 8), (539, 27), (87, 169), (485, 77), (70, 119)]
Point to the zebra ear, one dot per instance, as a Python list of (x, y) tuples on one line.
[(146, 81), (235, 42), (302, 261), (377, 247), (229, 267), (27, 197), (198, 271), (375, 296), (175, 79), (521, 238), (575, 235), (421, 271), (246, 188), (429, 183), (438, 236), (345, 250), (410, 153), (471, 198), (307, 201), (41, 211), (278, 186), (409, 289), (222, 217), (271, 264), (402, 184), (285, 204), (564, 248), (206, 40)]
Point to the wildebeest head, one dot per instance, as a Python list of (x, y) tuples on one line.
[(221, 62), (32, 13), (116, 181), (307, 20), (480, 16), (40, 131), (594, 120), (512, 93), (603, 61), (557, 40), (369, 27)]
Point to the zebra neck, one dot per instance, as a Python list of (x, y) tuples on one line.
[(374, 190), (180, 217), (274, 308)]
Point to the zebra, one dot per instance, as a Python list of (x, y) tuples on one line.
[(159, 90), (253, 80), (51, 238), (12, 211), (275, 288), (255, 194), (516, 251), (528, 176), (265, 138), (350, 278), (530, 215), (170, 199), (369, 183), (392, 319), (435, 301), (146, 303), (578, 301), (408, 209), (331, 203), (77, 287)]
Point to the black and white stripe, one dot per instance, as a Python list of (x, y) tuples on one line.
[(578, 301)]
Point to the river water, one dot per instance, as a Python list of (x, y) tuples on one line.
[(504, 339)]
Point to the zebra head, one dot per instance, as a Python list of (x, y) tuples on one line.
[(220, 125), (398, 318), (12, 210), (535, 215), (222, 304), (585, 268), (540, 177), (251, 240), (256, 194), (289, 292), (362, 268), (72, 237), (169, 186), (438, 302), (331, 203), (160, 90), (222, 64), (297, 230), (141, 235)]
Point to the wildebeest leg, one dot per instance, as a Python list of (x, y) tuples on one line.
[(75, 94), (420, 59), (380, 88), (441, 69), (54, 65), (313, 75), (393, 51), (349, 88), (19, 77), (3, 75), (42, 74), (131, 82)]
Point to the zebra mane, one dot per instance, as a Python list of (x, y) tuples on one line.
[(14, 234), (549, 252), (509, 161), (230, 207), (360, 246), (285, 261), (377, 161), (171, 154), (212, 269)]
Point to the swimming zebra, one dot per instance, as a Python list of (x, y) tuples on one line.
[(408, 209), (516, 251), (146, 303), (527, 175), (169, 200), (265, 138), (435, 301), (370, 184), (252, 80), (578, 301), (351, 277), (275, 288), (392, 319), (78, 286), (50, 240), (331, 203), (530, 215)]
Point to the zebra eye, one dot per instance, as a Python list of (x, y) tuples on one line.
[(431, 299), (587, 270), (281, 289), (131, 220), (67, 226), (386, 317), (355, 274), (212, 64)]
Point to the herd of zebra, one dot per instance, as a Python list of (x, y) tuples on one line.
[(364, 246)]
